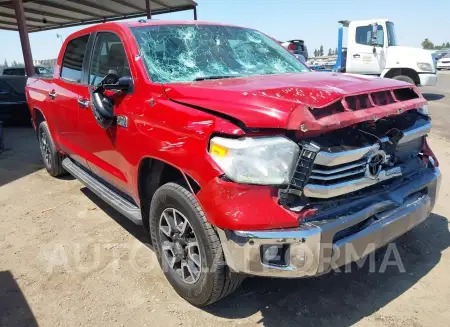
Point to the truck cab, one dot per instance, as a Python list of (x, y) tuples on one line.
[(372, 49)]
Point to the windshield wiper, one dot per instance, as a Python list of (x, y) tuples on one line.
[(202, 78)]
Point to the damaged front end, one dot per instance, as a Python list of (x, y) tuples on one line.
[(354, 158), (353, 189)]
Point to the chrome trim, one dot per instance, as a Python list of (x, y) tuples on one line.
[(350, 160), (337, 176), (329, 191), (411, 134), (339, 158), (338, 170), (311, 247)]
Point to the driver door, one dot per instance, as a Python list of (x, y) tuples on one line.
[(100, 144), (362, 56)]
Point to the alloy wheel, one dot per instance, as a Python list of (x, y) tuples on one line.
[(179, 245), (45, 148)]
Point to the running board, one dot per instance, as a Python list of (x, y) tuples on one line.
[(118, 202)]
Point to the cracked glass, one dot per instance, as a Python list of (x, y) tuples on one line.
[(183, 53)]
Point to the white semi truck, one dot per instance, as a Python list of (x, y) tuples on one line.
[(372, 49)]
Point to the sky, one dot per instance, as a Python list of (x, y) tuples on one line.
[(315, 21)]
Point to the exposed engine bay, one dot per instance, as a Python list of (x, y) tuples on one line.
[(357, 159)]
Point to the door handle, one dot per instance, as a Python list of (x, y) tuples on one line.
[(52, 94), (356, 56), (83, 103)]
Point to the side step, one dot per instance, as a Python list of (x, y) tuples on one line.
[(118, 202)]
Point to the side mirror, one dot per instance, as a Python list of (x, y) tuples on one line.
[(374, 38), (124, 84)]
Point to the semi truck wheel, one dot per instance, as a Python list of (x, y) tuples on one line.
[(188, 248), (51, 157), (404, 79)]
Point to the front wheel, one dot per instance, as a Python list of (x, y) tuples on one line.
[(188, 248), (404, 79)]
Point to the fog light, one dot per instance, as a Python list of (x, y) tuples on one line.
[(274, 254), (271, 252)]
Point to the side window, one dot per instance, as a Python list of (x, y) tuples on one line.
[(73, 59), (5, 89), (364, 35), (109, 54)]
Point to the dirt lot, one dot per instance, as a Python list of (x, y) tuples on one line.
[(69, 260)]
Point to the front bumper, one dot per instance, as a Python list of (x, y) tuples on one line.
[(443, 65), (316, 247), (428, 79)]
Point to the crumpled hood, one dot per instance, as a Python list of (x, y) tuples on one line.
[(267, 101)]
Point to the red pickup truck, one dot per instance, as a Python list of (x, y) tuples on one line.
[(234, 156)]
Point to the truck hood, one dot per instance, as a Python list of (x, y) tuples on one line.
[(400, 56), (282, 101)]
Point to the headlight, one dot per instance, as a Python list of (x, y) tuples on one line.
[(424, 110), (425, 66), (255, 160)]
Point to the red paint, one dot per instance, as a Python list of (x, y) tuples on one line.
[(179, 134)]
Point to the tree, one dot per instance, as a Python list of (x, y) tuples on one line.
[(335, 52), (316, 53), (321, 51), (447, 45), (5, 64), (330, 52), (427, 44)]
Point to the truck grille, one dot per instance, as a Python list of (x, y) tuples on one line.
[(323, 174), (327, 175)]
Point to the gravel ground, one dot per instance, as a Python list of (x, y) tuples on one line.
[(67, 259)]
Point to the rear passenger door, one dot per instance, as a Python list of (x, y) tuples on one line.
[(64, 95)]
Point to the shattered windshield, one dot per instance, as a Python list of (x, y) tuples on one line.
[(182, 53)]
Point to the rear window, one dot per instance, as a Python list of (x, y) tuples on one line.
[(14, 71), (73, 59)]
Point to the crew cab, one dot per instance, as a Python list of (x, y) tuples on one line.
[(235, 157)]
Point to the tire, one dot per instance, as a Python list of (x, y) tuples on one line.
[(50, 156), (404, 79), (215, 280)]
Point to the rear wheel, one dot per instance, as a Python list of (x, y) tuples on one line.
[(51, 157), (404, 79), (188, 248)]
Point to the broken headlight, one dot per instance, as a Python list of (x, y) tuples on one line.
[(255, 160), (424, 110)]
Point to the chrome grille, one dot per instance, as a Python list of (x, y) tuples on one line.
[(325, 175), (331, 174)]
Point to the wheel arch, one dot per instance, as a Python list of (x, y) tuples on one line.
[(411, 73), (38, 117), (152, 173)]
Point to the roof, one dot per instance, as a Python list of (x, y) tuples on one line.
[(44, 15)]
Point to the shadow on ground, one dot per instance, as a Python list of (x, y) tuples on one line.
[(433, 96), (137, 231), (21, 156), (340, 299), (14, 309), (337, 299)]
